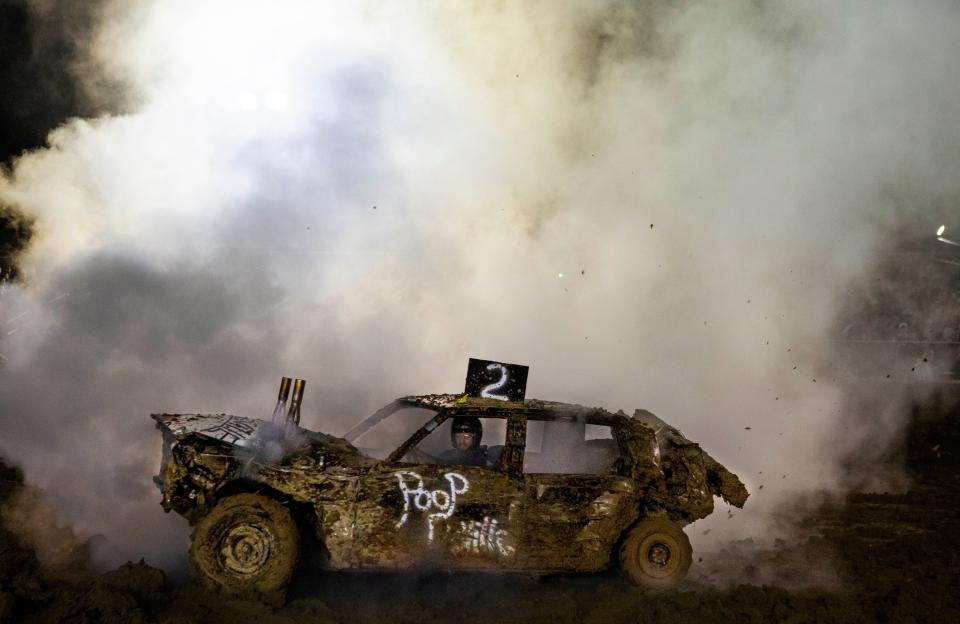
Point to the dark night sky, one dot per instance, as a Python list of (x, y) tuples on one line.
[(37, 54)]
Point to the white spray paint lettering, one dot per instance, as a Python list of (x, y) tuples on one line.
[(485, 536), (421, 499)]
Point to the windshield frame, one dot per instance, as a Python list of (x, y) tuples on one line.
[(418, 436)]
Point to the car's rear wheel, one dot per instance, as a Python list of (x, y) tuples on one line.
[(655, 554), (248, 543)]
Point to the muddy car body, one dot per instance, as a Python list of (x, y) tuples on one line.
[(621, 497)]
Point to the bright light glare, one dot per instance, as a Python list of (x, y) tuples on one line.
[(941, 230), (247, 67)]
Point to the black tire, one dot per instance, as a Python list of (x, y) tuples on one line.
[(248, 543), (655, 554)]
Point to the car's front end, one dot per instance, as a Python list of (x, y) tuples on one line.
[(207, 456)]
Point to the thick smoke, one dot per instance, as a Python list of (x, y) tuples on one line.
[(651, 207)]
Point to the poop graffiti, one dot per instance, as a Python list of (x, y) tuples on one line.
[(438, 504)]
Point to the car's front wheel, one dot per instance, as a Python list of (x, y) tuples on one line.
[(248, 543), (655, 554)]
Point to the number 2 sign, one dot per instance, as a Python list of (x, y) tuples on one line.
[(496, 380)]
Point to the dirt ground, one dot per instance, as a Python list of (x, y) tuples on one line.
[(896, 558)]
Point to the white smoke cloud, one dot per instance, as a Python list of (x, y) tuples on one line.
[(365, 196)]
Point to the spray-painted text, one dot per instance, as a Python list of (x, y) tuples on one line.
[(444, 502)]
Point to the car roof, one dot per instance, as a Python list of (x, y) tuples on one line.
[(533, 408)]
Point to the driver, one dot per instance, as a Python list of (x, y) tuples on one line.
[(465, 435)]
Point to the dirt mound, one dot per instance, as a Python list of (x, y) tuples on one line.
[(60, 587), (20, 575)]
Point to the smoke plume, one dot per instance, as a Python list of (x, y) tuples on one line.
[(651, 206)]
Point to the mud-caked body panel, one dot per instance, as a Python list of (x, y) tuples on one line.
[(574, 521), (433, 515)]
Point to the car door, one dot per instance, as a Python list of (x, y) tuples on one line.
[(418, 513), (575, 507)]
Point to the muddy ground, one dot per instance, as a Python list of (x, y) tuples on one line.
[(893, 557)]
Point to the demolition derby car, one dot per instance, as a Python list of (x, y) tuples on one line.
[(562, 488)]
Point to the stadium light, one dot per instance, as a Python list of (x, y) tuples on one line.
[(942, 239)]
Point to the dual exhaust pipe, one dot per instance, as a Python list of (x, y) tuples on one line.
[(293, 413)]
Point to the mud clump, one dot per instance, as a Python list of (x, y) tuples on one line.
[(143, 582)]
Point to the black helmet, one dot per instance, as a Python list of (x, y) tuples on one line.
[(466, 424)]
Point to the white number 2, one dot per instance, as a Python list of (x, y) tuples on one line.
[(487, 391)]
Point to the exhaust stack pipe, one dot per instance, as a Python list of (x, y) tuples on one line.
[(293, 416), (281, 400)]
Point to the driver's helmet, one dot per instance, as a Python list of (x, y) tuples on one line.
[(466, 424)]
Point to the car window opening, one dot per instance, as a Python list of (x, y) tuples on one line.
[(386, 436), (569, 447), (461, 441)]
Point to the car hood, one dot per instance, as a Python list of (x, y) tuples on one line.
[(256, 435)]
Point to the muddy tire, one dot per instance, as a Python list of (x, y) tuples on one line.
[(247, 544), (655, 554)]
